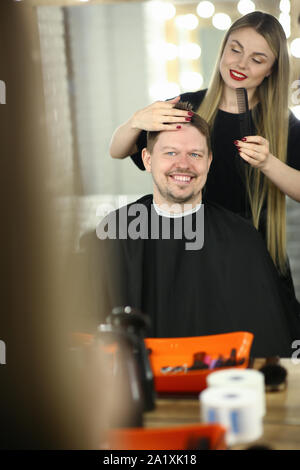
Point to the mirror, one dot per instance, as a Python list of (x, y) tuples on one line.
[(101, 63), (110, 60)]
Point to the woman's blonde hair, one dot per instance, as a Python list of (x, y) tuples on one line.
[(271, 121)]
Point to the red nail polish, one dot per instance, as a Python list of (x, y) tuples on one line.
[(235, 142), (190, 113), (188, 119), (244, 139), (178, 127)]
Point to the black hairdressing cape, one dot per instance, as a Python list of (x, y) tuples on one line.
[(230, 284)]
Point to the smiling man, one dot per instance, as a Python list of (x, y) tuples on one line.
[(227, 284), (179, 163)]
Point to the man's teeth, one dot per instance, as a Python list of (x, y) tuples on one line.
[(182, 178)]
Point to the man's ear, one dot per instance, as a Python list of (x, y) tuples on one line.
[(209, 160), (146, 157)]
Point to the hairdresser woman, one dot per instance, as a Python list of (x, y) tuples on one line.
[(254, 56)]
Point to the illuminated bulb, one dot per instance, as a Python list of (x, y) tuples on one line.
[(190, 51), (295, 48), (285, 6), (205, 9), (179, 21), (162, 11), (191, 81), (187, 21), (163, 90), (245, 6), (285, 21), (221, 21)]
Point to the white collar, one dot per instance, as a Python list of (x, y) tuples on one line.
[(164, 213)]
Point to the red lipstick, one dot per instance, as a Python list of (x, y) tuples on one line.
[(238, 77)]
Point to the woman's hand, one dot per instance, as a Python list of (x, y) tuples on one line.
[(254, 150), (160, 116)]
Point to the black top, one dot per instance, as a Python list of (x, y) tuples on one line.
[(225, 182), (229, 285)]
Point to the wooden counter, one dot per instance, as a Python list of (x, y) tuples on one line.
[(281, 422)]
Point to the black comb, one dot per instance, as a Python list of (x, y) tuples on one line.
[(244, 113), (244, 125)]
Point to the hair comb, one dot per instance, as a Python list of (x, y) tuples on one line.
[(244, 125), (244, 113)]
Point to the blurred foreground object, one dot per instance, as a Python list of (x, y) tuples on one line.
[(135, 325), (192, 437), (46, 401)]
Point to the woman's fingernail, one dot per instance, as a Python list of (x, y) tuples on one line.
[(235, 142), (244, 139), (188, 119), (178, 127), (190, 113)]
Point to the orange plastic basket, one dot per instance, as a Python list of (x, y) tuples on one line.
[(175, 438), (178, 351), (174, 352)]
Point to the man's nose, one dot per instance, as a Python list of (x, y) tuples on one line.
[(183, 160)]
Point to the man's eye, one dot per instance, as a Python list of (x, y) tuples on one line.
[(195, 155), (171, 154)]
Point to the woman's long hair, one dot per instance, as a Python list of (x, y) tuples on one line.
[(271, 121)]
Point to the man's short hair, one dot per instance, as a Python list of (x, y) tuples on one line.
[(196, 121)]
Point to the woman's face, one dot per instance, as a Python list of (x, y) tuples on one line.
[(247, 59)]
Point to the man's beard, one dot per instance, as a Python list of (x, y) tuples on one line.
[(168, 195), (178, 199)]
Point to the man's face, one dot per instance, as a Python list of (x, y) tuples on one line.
[(179, 163)]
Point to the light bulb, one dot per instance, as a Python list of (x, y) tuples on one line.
[(191, 81), (295, 48), (205, 9), (190, 51), (187, 22), (221, 21), (245, 6), (161, 11)]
